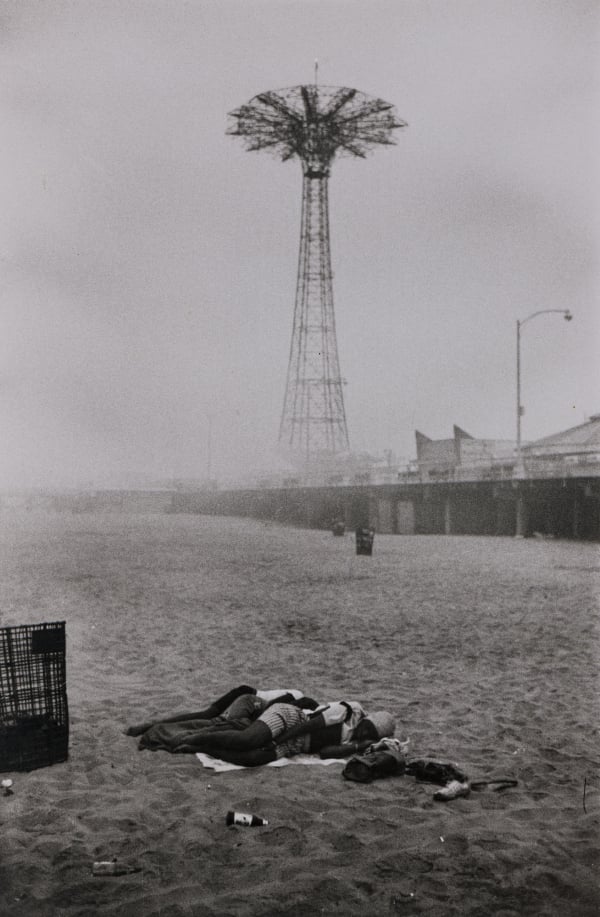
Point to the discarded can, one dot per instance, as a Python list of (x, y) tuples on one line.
[(243, 818), (7, 787), (112, 868)]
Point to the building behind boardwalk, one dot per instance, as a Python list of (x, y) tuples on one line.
[(444, 458), (463, 457), (574, 451)]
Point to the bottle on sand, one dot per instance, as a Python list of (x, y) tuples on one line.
[(113, 868), (243, 818)]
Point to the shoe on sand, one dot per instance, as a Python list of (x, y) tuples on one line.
[(452, 790)]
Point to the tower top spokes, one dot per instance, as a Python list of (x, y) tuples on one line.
[(315, 123)]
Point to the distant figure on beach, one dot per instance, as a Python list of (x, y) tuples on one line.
[(338, 729)]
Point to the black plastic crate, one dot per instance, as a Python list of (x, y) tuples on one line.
[(34, 714)]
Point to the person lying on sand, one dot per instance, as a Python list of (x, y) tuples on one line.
[(343, 725), (338, 729), (235, 710)]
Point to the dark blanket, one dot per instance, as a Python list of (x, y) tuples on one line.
[(168, 734)]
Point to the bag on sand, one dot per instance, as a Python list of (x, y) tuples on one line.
[(373, 765), (434, 771)]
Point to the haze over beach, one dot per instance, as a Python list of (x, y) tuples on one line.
[(149, 262)]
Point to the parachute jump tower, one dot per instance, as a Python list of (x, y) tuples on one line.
[(314, 123)]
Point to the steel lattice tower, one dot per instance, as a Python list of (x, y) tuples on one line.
[(314, 123)]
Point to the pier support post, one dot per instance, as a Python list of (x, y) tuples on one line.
[(521, 516), (447, 516), (576, 530)]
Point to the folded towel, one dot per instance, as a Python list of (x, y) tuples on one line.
[(219, 766)]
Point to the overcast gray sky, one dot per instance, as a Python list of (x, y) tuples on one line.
[(149, 262)]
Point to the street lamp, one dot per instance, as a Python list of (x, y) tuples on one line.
[(520, 410)]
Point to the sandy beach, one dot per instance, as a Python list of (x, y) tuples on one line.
[(486, 649)]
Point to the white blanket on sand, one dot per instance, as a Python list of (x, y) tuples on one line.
[(217, 765)]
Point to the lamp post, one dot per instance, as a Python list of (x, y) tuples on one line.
[(520, 409), (520, 525)]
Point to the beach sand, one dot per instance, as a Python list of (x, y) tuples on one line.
[(486, 649)]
